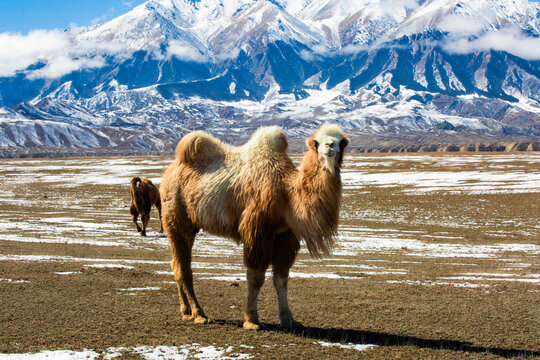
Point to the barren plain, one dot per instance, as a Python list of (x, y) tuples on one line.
[(438, 256)]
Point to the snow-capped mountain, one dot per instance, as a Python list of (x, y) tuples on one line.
[(401, 71)]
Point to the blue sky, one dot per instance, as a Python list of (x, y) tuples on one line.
[(23, 16)]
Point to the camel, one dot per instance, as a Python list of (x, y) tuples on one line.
[(144, 194), (256, 196)]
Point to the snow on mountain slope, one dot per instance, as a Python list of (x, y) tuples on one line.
[(471, 17), (199, 30), (262, 23), (20, 132), (404, 69), (212, 30)]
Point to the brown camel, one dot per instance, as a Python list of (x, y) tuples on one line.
[(255, 195), (144, 194)]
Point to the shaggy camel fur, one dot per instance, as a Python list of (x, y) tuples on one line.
[(144, 194), (255, 195)]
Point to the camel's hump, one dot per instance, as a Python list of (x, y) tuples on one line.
[(201, 147), (268, 138)]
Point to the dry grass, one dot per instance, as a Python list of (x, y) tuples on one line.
[(408, 302)]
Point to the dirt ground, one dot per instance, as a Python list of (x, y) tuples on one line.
[(438, 257)]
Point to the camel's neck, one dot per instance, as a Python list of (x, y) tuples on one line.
[(312, 171), (315, 197)]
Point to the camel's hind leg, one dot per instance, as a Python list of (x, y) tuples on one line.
[(286, 247), (181, 245), (144, 218), (158, 207), (257, 256), (185, 309)]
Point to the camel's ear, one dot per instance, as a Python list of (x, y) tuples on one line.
[(312, 144), (343, 144)]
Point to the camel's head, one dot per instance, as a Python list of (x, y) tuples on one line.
[(329, 142)]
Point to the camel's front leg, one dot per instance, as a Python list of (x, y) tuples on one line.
[(285, 250), (255, 279), (135, 215)]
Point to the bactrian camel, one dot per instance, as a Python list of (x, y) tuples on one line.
[(144, 194), (255, 195)]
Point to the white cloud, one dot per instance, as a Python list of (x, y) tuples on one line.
[(393, 8), (408, 4), (320, 50), (20, 51), (184, 51), (455, 23), (227, 55), (60, 65), (307, 55), (59, 53), (354, 49), (511, 40), (85, 46)]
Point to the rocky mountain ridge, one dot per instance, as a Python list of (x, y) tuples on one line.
[(415, 73)]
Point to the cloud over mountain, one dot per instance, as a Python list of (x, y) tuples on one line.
[(55, 52), (20, 51), (511, 40)]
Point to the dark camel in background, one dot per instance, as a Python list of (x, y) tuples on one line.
[(144, 194)]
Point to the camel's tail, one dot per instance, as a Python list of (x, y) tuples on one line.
[(136, 183)]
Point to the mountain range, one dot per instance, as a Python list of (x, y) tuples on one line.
[(392, 73)]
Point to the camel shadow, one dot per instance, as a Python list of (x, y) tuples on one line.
[(361, 337)]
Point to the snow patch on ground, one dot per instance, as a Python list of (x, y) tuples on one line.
[(109, 266), (532, 279), (473, 182), (352, 240), (135, 290), (58, 258), (11, 281), (188, 351), (357, 347), (436, 283)]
